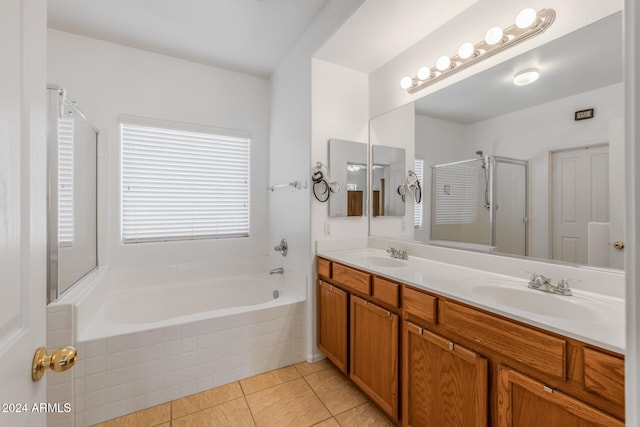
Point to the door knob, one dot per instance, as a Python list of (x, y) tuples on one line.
[(618, 244), (60, 360)]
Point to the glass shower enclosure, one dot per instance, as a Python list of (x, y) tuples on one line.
[(71, 194), (481, 203)]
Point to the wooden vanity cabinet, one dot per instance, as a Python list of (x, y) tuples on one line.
[(526, 402), (374, 353), (444, 384), (332, 324)]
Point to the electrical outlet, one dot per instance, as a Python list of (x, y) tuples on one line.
[(327, 229)]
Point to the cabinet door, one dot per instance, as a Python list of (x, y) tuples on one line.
[(444, 383), (374, 353), (523, 401), (332, 324)]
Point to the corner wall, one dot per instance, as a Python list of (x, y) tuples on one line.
[(289, 210), (108, 80)]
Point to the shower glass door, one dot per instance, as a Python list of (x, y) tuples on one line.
[(72, 198)]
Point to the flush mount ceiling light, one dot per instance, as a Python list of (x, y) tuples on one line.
[(528, 23), (526, 77)]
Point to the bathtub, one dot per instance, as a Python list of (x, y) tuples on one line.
[(151, 335)]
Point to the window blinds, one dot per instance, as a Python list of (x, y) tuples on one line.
[(456, 191), (418, 168), (65, 181), (182, 185)]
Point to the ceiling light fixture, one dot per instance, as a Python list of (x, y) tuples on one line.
[(528, 23), (526, 77)]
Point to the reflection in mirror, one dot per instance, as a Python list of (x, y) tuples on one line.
[(568, 178), (348, 166), (387, 175), (72, 214)]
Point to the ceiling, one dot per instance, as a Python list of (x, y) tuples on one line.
[(584, 60), (381, 29), (248, 36)]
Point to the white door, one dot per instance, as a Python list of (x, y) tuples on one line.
[(580, 194), (22, 208)]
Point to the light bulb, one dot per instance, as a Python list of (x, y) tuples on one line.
[(493, 36), (526, 18), (466, 50), (406, 82), (424, 73), (526, 77), (443, 63)]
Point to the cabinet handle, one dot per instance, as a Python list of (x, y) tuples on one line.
[(547, 389), (451, 345), (419, 331)]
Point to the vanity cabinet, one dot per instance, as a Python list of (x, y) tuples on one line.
[(524, 402), (448, 363), (374, 353), (332, 324), (444, 383)]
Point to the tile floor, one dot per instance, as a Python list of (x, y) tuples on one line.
[(298, 395)]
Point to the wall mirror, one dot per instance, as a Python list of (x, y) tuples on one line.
[(509, 169), (387, 175), (72, 200), (348, 167)]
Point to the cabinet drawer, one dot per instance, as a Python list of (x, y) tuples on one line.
[(386, 291), (604, 375), (352, 278), (531, 347), (419, 304), (324, 268)]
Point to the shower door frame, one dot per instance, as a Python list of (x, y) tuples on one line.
[(512, 161), (54, 105)]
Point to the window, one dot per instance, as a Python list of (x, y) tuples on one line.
[(182, 184), (65, 181), (456, 191), (418, 168)]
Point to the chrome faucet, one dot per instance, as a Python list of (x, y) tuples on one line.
[(283, 247), (278, 270), (395, 253), (542, 283)]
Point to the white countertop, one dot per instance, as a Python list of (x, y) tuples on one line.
[(599, 320)]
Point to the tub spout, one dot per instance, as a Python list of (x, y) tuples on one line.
[(278, 270)]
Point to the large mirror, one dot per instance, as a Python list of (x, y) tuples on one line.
[(348, 166), (387, 175), (517, 169)]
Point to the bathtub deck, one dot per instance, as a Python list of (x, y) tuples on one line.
[(298, 395)]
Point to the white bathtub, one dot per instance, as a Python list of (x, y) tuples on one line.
[(148, 336)]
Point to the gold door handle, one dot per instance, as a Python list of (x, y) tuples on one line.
[(60, 360), (618, 244)]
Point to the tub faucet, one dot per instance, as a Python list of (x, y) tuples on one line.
[(283, 247), (278, 270)]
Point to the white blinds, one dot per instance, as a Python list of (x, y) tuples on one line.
[(418, 168), (456, 191), (181, 185), (65, 181)]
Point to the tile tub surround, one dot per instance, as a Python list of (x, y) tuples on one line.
[(299, 395), (127, 367), (453, 279), (128, 373)]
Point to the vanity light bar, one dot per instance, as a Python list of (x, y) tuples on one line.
[(529, 23)]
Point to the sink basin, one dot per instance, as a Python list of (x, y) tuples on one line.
[(380, 261), (537, 302)]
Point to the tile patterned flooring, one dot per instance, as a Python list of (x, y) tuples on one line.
[(298, 395)]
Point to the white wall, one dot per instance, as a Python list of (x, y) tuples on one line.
[(470, 26), (395, 129), (108, 80), (532, 133), (290, 150)]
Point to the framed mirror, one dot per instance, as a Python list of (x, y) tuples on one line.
[(387, 175), (526, 158), (348, 167)]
